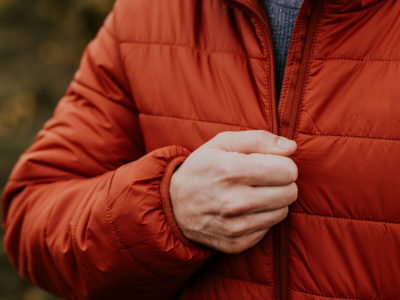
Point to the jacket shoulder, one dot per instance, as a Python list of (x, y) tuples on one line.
[(167, 21)]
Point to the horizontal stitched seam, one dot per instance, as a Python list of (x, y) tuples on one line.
[(318, 295), (195, 120), (345, 218), (395, 60), (46, 181), (203, 51), (350, 136), (88, 87), (353, 11), (240, 279), (84, 85)]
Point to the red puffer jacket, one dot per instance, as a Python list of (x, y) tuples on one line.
[(86, 210)]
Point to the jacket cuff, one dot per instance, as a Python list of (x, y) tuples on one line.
[(140, 217)]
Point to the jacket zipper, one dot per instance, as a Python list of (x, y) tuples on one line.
[(261, 23), (280, 234), (311, 28)]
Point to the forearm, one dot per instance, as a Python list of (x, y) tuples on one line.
[(109, 234)]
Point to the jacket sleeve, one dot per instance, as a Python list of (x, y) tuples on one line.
[(86, 211)]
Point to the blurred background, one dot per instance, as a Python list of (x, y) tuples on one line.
[(41, 43)]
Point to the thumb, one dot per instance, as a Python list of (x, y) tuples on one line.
[(252, 141)]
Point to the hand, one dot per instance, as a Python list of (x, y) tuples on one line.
[(229, 192)]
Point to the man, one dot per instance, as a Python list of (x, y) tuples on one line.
[(130, 192)]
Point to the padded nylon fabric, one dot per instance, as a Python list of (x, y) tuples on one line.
[(86, 210)]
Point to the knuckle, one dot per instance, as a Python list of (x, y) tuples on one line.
[(294, 171), (259, 137), (293, 192), (228, 209), (236, 246), (258, 237), (235, 229), (279, 216), (201, 160), (226, 169), (283, 213), (263, 134), (291, 171), (263, 138), (223, 135)]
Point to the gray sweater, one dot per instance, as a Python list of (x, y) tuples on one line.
[(282, 16)]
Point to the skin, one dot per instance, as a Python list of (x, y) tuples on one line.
[(230, 191)]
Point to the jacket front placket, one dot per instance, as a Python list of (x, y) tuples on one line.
[(284, 117)]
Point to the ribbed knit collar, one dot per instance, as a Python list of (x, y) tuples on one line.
[(294, 4)]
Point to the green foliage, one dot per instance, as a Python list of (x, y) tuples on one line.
[(41, 43)]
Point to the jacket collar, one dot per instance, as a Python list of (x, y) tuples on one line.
[(341, 6)]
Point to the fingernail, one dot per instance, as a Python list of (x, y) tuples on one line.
[(285, 144)]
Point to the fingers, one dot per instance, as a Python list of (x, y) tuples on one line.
[(229, 192), (250, 200), (240, 244), (249, 223), (252, 141), (241, 233), (257, 169)]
